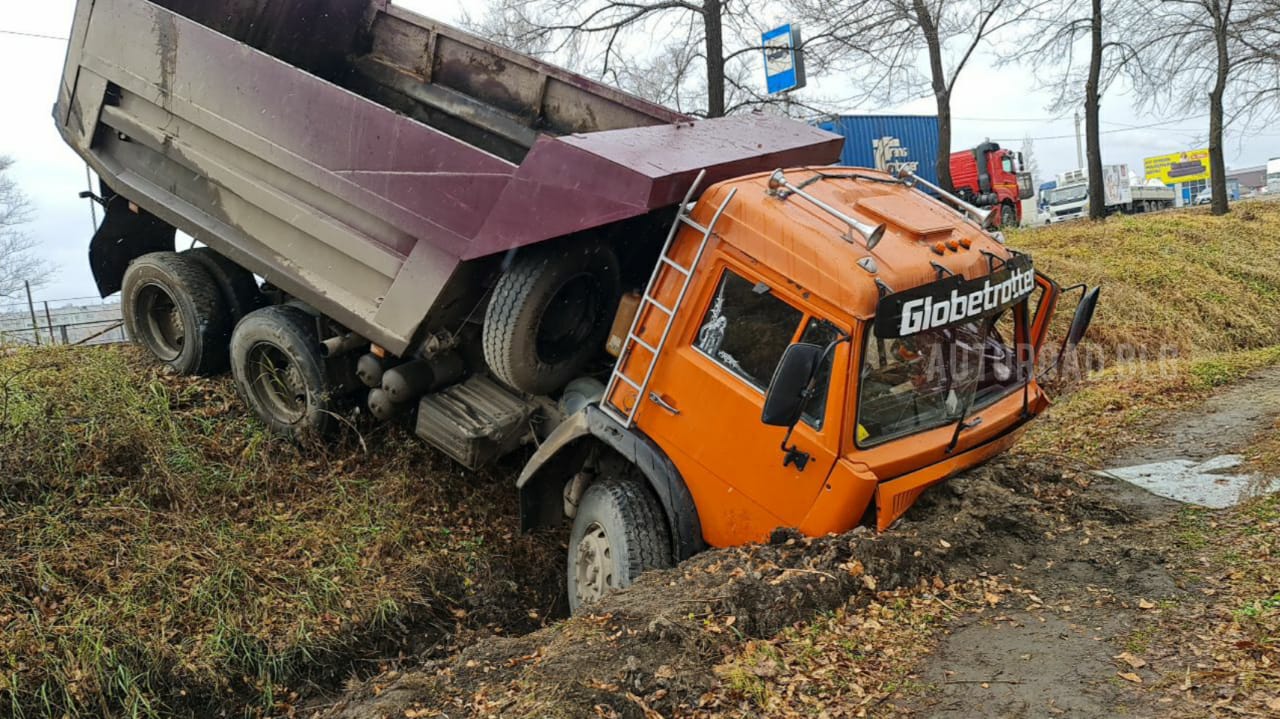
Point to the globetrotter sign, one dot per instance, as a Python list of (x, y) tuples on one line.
[(954, 300)]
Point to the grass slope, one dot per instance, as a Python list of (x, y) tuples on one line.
[(1184, 281), (159, 554)]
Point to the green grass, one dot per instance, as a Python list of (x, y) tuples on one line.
[(160, 555)]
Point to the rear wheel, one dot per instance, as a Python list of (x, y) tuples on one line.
[(618, 533), (275, 357), (549, 316), (172, 307), (238, 286)]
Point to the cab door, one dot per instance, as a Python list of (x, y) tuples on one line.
[(704, 403)]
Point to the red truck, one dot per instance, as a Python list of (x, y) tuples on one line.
[(991, 178)]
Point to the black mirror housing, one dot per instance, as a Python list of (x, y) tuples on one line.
[(1084, 317), (784, 403)]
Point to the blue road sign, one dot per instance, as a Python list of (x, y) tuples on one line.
[(783, 61)]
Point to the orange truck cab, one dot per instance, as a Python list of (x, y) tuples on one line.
[(810, 355)]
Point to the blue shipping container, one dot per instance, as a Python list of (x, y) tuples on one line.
[(888, 142)]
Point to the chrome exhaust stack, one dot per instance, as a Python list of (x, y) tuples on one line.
[(973, 212), (871, 235)]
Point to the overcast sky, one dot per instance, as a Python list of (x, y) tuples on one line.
[(995, 103)]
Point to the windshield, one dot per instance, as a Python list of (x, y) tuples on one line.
[(1063, 195), (928, 380)]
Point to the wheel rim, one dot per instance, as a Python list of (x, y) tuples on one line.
[(277, 383), (163, 330), (569, 318), (594, 569)]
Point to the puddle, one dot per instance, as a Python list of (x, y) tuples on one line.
[(1210, 483)]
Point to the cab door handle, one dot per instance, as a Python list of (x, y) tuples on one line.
[(657, 399)]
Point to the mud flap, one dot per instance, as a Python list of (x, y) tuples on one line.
[(125, 234)]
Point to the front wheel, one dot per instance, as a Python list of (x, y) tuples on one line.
[(275, 357), (619, 533), (1008, 216)]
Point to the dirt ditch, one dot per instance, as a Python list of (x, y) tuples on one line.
[(654, 648)]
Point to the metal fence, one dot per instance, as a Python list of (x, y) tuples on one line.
[(69, 321)]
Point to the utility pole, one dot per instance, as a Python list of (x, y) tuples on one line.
[(1079, 143)]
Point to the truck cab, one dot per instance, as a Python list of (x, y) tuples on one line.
[(992, 177), (900, 355)]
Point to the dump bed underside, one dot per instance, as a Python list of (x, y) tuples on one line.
[(308, 179)]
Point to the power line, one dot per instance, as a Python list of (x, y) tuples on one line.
[(1131, 128), (36, 35)]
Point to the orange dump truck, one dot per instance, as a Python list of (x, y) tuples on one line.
[(404, 219)]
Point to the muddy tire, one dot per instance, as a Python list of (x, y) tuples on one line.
[(238, 286), (275, 357), (619, 532), (172, 308), (550, 315)]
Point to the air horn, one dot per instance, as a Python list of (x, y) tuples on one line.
[(977, 214), (870, 234)]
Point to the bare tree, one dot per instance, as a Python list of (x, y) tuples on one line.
[(881, 43), (700, 57), (1222, 49), (1031, 162), (18, 261), (1061, 31)]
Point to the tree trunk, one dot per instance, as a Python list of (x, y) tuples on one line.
[(713, 22), (1092, 108), (941, 91), (1217, 163)]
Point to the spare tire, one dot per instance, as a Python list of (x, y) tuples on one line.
[(550, 314), (173, 308), (239, 288)]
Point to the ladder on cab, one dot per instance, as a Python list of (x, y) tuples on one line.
[(619, 377)]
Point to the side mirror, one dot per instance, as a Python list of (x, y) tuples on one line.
[(786, 398), (1084, 317)]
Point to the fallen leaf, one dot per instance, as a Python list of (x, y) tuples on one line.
[(1132, 661), (992, 599), (1130, 677), (1144, 604), (945, 544)]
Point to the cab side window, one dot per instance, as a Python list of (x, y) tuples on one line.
[(1007, 163), (746, 329)]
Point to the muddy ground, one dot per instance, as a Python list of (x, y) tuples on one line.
[(1086, 558)]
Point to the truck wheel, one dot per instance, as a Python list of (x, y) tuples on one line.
[(275, 357), (1008, 216), (238, 286), (172, 307), (550, 315), (618, 533)]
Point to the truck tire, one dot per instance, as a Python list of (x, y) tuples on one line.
[(1008, 215), (275, 357), (238, 286), (618, 533), (550, 315), (172, 307)]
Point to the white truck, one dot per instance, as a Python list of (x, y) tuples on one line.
[(1123, 193), (1273, 176)]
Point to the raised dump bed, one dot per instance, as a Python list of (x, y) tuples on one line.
[(365, 159)]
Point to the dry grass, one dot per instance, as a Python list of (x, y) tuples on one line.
[(159, 554), (1221, 657), (1180, 281)]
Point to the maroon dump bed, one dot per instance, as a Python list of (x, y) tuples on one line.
[(359, 156)]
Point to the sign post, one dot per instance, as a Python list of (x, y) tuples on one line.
[(783, 60)]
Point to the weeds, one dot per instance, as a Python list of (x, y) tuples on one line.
[(161, 555)]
